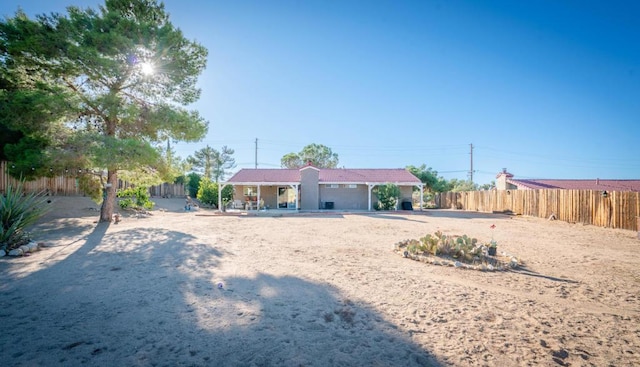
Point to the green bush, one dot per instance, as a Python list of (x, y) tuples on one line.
[(135, 198), (193, 184), (91, 186), (388, 196), (19, 210), (208, 193)]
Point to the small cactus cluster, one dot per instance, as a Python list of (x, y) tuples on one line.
[(462, 250)]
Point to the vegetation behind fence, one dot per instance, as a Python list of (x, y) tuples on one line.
[(618, 209), (67, 185)]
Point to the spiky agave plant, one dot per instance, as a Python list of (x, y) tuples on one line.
[(18, 210)]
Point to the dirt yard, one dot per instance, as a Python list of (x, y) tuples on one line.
[(183, 288)]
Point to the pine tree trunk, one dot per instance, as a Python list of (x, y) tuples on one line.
[(106, 212)]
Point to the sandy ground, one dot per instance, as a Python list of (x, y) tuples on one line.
[(189, 289)]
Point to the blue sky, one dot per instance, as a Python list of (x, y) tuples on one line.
[(546, 89)]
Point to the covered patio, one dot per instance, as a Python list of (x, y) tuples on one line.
[(311, 188)]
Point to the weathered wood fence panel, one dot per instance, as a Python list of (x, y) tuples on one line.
[(619, 209), (168, 190), (68, 185), (60, 185)]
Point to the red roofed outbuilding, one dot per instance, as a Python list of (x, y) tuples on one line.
[(505, 181)]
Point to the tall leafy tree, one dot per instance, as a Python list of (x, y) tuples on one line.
[(213, 164), (202, 161), (318, 155), (456, 185), (427, 175), (26, 121), (109, 84)]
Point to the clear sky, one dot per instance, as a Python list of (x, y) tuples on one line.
[(544, 88)]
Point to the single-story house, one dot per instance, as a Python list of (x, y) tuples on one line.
[(311, 188), (505, 181)]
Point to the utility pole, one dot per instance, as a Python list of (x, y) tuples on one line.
[(256, 153), (471, 170)]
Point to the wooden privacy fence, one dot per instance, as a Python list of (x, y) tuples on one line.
[(69, 185), (59, 185), (618, 209), (168, 190)]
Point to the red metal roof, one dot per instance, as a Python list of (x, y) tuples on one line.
[(265, 175), (337, 175), (368, 175), (593, 184)]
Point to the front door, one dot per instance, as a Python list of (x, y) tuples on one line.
[(286, 198)]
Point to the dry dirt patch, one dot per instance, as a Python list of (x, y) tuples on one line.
[(315, 291)]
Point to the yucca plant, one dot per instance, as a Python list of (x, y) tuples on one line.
[(18, 210)]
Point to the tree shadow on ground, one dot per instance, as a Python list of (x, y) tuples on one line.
[(458, 214), (398, 216), (285, 320), (302, 215), (156, 297), (522, 269), (49, 229)]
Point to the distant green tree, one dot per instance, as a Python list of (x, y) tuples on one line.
[(222, 163), (489, 186), (171, 168), (442, 185), (428, 176), (462, 185), (291, 160), (318, 155), (433, 184), (202, 162), (104, 87), (211, 163)]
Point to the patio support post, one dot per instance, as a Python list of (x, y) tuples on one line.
[(370, 188), (295, 188), (220, 187), (258, 199), (421, 187)]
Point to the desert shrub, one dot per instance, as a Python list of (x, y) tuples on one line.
[(19, 210), (462, 248), (388, 196), (91, 186), (208, 193), (135, 198), (458, 251)]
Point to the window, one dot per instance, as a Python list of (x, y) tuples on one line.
[(332, 186), (250, 191), (351, 186)]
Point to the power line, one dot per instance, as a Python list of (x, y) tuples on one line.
[(471, 168)]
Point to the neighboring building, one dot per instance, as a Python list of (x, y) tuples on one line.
[(311, 188), (505, 181)]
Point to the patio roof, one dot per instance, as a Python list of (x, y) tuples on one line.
[(334, 175)]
